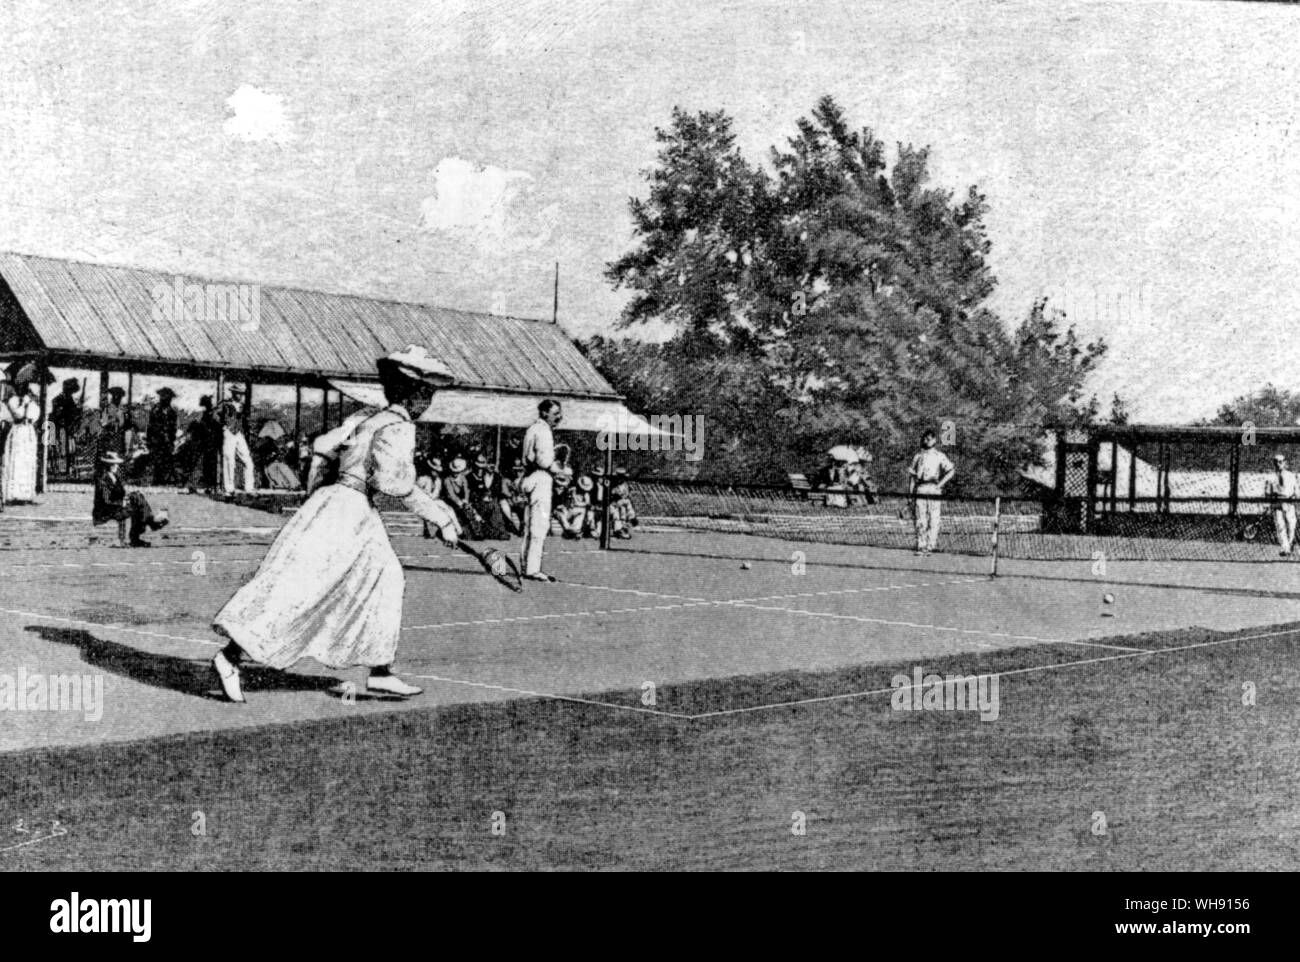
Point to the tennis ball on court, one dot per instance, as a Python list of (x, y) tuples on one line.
[(1108, 598), (745, 566)]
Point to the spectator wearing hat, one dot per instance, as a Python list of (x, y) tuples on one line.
[(203, 447), (65, 415), (130, 509), (234, 446), (576, 514), (455, 491), (160, 437), (112, 425), (1281, 490), (622, 515), (563, 485), (428, 478), (485, 497), (20, 446), (514, 500)]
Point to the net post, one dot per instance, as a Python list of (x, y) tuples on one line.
[(997, 516)]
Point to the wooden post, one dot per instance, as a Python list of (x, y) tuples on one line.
[(997, 517), (1234, 477), (325, 409), (1114, 474), (42, 446), (1062, 455), (248, 404), (1090, 516), (604, 499), (1132, 477), (498, 458), (297, 414)]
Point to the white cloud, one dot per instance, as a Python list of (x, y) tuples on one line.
[(258, 116), (490, 206)]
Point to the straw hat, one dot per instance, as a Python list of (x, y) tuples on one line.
[(459, 465), (481, 461), (416, 362), (585, 483), (166, 392), (112, 457)]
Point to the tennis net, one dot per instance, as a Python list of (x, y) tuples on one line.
[(1047, 529)]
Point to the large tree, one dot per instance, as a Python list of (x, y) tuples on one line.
[(830, 296)]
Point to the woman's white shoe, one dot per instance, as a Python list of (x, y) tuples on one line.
[(391, 685), (229, 675)]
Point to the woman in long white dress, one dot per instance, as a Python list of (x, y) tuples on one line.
[(20, 446), (331, 586)]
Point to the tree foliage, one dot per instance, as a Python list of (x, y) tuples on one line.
[(831, 296), (1269, 406)]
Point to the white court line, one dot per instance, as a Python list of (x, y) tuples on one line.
[(41, 616), (1136, 653), (79, 623), (178, 561), (543, 694), (1013, 671), (690, 602)]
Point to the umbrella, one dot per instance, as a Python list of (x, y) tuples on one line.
[(272, 430), (842, 452), (22, 372)]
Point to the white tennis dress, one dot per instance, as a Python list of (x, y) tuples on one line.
[(20, 450), (331, 586)]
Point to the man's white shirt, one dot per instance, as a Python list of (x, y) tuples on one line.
[(539, 446), (1283, 485), (929, 466)]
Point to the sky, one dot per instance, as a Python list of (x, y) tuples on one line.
[(1139, 158)]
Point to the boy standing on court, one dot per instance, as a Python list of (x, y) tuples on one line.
[(930, 472)]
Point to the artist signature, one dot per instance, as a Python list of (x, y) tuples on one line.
[(55, 830)]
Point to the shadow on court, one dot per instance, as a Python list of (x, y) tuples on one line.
[(185, 675)]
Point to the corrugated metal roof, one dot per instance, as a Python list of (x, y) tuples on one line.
[(106, 313)]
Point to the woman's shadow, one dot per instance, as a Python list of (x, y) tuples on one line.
[(189, 676)]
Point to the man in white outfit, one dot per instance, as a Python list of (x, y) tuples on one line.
[(234, 446), (1282, 490), (539, 461), (929, 474)]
